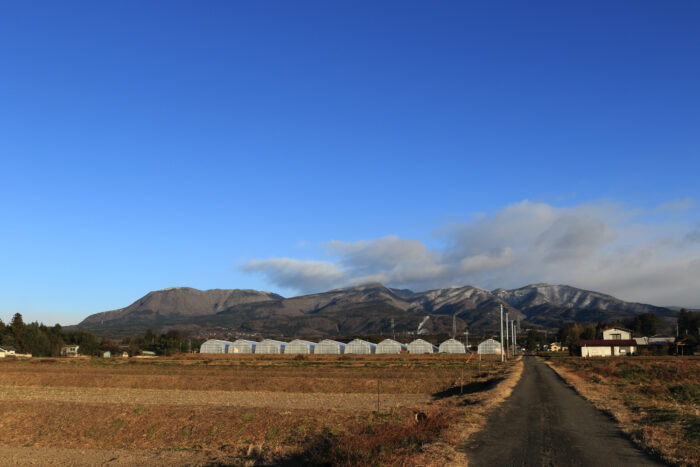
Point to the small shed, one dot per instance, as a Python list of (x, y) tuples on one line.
[(107, 354), (242, 346), (214, 346), (329, 347), (358, 346), (452, 346), (420, 346), (270, 346), (298, 346), (490, 347), (391, 346)]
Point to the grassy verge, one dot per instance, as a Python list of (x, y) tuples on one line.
[(656, 400)]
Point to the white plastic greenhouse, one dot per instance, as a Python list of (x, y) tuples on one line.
[(358, 346), (490, 347), (328, 346), (299, 346), (390, 346), (215, 346), (452, 346), (242, 346), (269, 346), (420, 346)]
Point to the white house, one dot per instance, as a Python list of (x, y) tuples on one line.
[(70, 350), (617, 334), (615, 342)]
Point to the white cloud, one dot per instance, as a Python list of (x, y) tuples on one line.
[(676, 205), (604, 247)]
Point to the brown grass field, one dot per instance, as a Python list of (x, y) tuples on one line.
[(247, 410), (656, 400)]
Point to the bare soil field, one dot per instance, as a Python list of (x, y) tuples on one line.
[(242, 410), (656, 400)]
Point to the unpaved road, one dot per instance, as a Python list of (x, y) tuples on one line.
[(275, 400), (545, 423)]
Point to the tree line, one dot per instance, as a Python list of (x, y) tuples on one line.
[(46, 341)]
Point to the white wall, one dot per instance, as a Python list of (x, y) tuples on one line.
[(625, 335)]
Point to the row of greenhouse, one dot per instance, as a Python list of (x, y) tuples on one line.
[(331, 347)]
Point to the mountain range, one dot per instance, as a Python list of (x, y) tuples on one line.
[(366, 309)]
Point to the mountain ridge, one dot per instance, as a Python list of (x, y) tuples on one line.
[(363, 309)]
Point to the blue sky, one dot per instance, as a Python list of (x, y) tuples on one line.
[(294, 146)]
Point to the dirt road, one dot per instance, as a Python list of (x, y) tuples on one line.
[(544, 422), (277, 400)]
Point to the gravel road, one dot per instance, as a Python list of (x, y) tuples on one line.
[(275, 400), (544, 422)]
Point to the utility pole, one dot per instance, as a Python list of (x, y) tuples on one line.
[(507, 338), (467, 339), (454, 326), (501, 333), (515, 340)]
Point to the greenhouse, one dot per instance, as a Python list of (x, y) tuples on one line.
[(452, 346), (298, 346), (490, 347), (215, 346), (242, 346), (420, 346), (358, 346), (330, 347), (390, 346), (269, 346)]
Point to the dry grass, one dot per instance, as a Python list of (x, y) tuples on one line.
[(402, 374), (656, 400), (247, 435)]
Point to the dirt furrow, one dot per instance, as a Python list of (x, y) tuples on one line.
[(257, 399)]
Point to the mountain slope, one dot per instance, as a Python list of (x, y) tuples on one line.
[(176, 303)]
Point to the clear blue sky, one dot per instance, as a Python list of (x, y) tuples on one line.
[(153, 144)]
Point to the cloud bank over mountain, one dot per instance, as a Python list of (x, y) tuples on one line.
[(647, 257)]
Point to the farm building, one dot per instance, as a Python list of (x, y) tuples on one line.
[(242, 346), (420, 346), (490, 347), (269, 346), (214, 346), (391, 346), (655, 340), (358, 346), (452, 346), (70, 350), (299, 346), (608, 347), (331, 347), (6, 351)]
